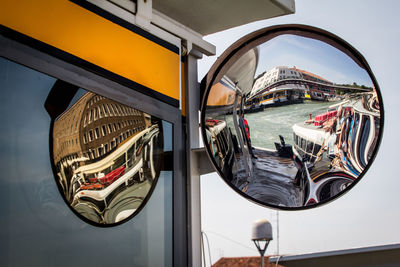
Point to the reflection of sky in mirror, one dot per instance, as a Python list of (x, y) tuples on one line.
[(311, 55)]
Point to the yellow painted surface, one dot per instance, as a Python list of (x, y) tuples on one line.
[(269, 99), (220, 95), (183, 86), (80, 32)]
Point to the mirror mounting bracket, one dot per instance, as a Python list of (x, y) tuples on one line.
[(204, 165)]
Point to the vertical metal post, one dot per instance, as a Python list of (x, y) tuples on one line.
[(261, 249), (277, 232), (235, 124), (192, 99), (246, 159)]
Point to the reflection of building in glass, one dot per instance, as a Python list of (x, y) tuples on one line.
[(94, 126), (107, 156)]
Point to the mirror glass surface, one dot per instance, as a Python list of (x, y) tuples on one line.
[(292, 122), (106, 156)]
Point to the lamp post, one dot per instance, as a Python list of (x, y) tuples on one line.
[(261, 234)]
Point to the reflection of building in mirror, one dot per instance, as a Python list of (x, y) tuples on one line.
[(106, 156), (324, 145), (283, 85)]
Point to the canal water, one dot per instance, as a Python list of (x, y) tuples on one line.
[(267, 125)]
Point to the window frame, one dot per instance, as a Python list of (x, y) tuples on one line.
[(60, 69)]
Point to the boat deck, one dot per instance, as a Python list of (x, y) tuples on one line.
[(271, 181)]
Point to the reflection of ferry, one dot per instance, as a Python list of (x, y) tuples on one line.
[(281, 95), (98, 183), (316, 95), (351, 142), (357, 131), (322, 96), (310, 137)]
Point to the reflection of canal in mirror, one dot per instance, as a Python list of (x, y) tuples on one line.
[(306, 124), (107, 157)]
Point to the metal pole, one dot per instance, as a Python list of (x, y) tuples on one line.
[(192, 168), (261, 250), (239, 134), (277, 232), (235, 123)]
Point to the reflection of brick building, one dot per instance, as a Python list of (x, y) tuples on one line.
[(323, 88), (94, 126)]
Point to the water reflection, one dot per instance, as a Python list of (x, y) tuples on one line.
[(326, 150), (107, 157)]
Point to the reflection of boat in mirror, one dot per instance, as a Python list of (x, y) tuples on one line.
[(338, 144), (119, 182), (278, 96), (296, 176), (327, 155), (262, 174)]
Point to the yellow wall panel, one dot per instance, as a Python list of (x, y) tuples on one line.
[(82, 33)]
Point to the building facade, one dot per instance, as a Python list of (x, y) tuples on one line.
[(314, 85), (320, 89), (94, 126), (272, 76)]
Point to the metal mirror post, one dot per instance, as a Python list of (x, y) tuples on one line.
[(292, 116)]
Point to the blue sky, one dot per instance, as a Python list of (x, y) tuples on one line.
[(311, 55), (368, 215)]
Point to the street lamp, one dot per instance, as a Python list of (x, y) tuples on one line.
[(261, 234)]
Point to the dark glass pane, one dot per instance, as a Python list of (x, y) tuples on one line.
[(37, 227)]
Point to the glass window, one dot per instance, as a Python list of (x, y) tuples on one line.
[(90, 135), (310, 146), (31, 191), (97, 133), (100, 112), (95, 114)]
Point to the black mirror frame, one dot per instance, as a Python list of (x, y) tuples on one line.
[(244, 44)]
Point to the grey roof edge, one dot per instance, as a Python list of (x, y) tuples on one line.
[(334, 253)]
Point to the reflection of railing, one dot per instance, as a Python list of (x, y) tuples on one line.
[(109, 177), (98, 180), (100, 195)]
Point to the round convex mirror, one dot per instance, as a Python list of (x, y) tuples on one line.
[(292, 116), (106, 156)]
